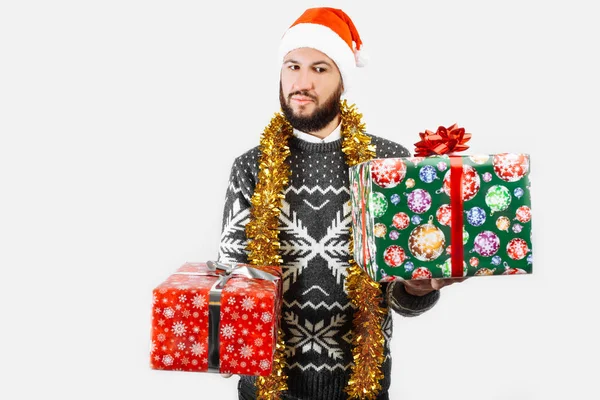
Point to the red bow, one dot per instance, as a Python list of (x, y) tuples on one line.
[(444, 141)]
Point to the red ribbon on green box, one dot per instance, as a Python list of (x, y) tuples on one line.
[(446, 141), (456, 204)]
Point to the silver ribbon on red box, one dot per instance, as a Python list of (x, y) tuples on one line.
[(224, 272)]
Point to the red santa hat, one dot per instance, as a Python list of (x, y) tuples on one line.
[(330, 31)]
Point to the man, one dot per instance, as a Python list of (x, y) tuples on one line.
[(318, 55)]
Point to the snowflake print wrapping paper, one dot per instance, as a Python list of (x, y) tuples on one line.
[(249, 313), (402, 216)]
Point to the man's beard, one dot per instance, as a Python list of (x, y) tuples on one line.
[(321, 116)]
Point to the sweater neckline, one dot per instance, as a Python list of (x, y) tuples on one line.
[(311, 147)]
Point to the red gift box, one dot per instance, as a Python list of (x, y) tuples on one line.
[(214, 317)]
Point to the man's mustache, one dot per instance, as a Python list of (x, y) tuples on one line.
[(302, 93)]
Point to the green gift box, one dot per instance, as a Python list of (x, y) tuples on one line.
[(409, 221)]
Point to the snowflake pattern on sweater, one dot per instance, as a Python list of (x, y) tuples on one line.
[(314, 225)]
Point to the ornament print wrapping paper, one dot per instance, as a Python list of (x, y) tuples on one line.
[(402, 216), (243, 337)]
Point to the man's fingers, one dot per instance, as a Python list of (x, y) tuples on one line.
[(418, 283), (449, 281), (456, 280), (226, 375), (437, 284)]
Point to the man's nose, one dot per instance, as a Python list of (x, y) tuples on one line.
[(303, 81)]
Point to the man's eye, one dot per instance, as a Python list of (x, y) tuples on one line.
[(294, 67), (320, 69)]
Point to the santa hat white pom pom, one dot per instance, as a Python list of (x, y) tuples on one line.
[(361, 57)]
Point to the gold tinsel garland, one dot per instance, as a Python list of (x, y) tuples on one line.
[(364, 293), (263, 235)]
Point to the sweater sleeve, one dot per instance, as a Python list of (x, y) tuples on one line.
[(388, 149), (236, 213), (407, 304)]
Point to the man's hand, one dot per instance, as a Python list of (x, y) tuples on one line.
[(421, 287)]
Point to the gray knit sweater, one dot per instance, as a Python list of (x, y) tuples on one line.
[(314, 232)]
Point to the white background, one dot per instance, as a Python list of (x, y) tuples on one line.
[(119, 121)]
